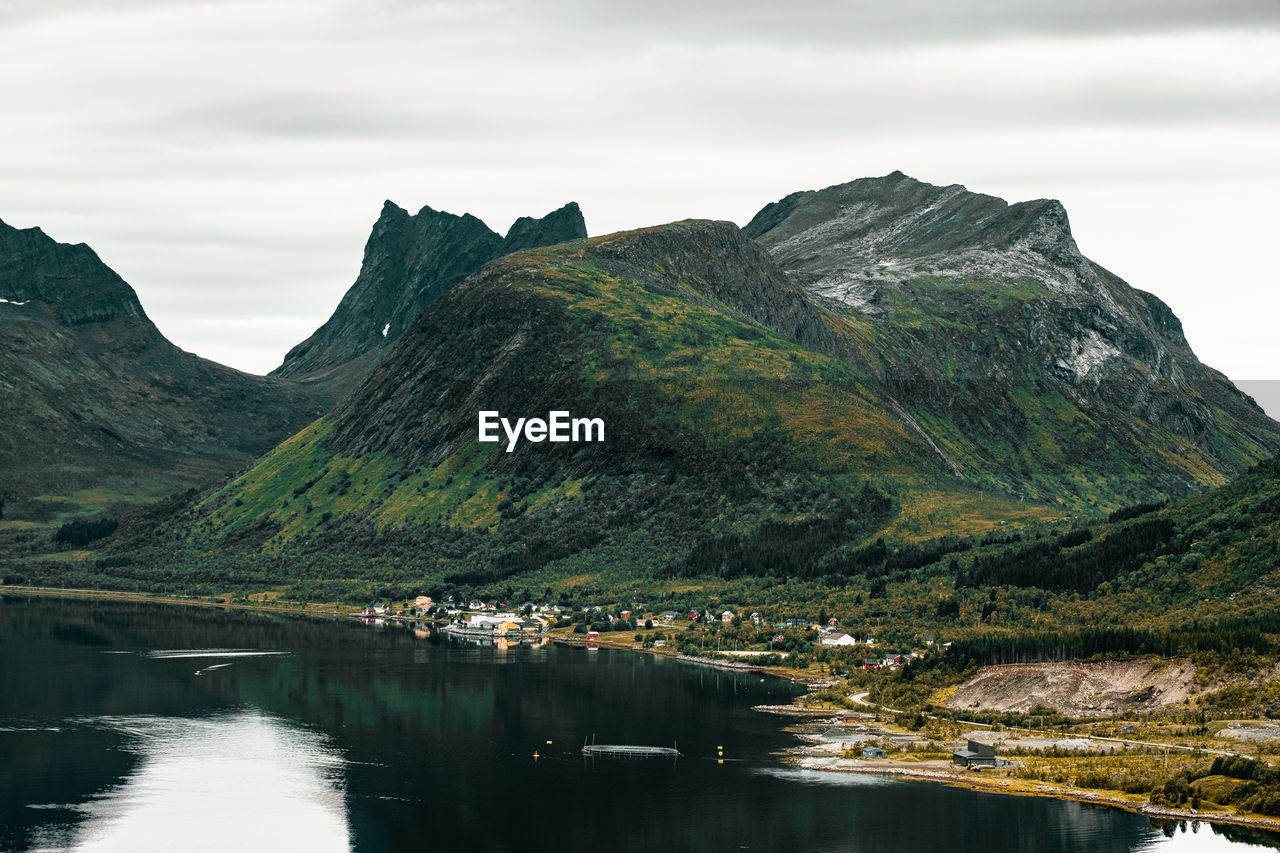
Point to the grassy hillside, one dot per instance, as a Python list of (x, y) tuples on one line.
[(755, 451)]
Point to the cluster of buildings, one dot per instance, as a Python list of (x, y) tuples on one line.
[(505, 624)]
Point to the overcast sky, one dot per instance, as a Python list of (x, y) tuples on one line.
[(229, 158)]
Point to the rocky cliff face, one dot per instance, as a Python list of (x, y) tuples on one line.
[(93, 391), (69, 285), (409, 260), (738, 397), (499, 340), (556, 227), (982, 313)]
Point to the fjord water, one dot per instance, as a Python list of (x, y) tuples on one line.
[(131, 727)]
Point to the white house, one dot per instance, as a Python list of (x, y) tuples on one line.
[(837, 638)]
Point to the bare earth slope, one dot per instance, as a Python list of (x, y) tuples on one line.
[(1078, 689)]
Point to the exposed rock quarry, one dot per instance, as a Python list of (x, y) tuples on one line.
[(1077, 689)]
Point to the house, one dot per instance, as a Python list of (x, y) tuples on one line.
[(670, 616), (832, 622), (870, 663), (755, 619), (836, 638), (423, 601), (975, 755), (726, 617), (873, 752)]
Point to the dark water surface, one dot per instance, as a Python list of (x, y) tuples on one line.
[(141, 728)]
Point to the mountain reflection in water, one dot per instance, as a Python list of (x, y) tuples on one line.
[(134, 727), (225, 782)]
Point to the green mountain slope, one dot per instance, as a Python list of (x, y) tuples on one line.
[(98, 406), (681, 338), (753, 426), (1038, 372)]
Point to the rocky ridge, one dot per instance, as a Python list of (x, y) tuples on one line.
[(93, 390), (409, 261), (971, 300)]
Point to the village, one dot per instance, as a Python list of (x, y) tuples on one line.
[(592, 624), (1137, 760)]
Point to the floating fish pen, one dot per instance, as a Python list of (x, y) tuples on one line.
[(609, 750)]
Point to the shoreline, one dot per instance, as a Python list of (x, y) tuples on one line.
[(162, 598), (992, 784), (1004, 785), (795, 758)]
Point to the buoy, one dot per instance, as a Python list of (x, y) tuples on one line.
[(535, 755), (548, 743)]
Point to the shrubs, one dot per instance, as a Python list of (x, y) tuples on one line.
[(81, 532)]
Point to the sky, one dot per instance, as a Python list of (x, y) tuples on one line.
[(228, 158)]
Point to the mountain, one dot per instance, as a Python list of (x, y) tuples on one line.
[(409, 260), (1018, 356), (886, 361), (98, 405)]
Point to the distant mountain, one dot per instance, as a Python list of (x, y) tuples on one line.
[(904, 361), (1018, 356), (97, 401), (409, 260)]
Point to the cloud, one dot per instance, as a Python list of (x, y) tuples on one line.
[(228, 157), (905, 22)]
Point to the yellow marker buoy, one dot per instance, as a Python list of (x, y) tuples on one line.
[(548, 743), (535, 755)]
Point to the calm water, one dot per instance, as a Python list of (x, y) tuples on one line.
[(145, 728)]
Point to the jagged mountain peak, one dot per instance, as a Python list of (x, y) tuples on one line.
[(897, 216), (70, 285), (560, 225), (409, 260), (971, 297), (93, 390), (851, 241)]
